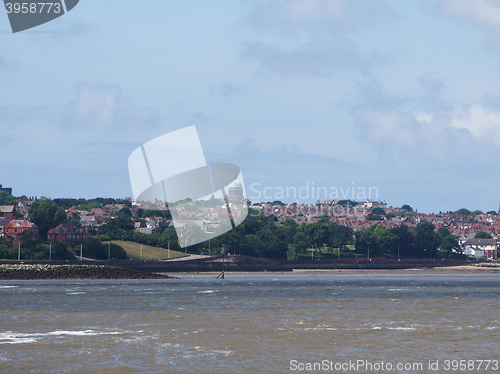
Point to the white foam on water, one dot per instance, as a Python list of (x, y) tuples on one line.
[(208, 291), (8, 287), (402, 328), (20, 338), (9, 338), (324, 328), (196, 351)]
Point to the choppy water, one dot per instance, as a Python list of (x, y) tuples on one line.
[(249, 323)]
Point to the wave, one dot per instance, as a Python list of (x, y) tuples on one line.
[(22, 338)]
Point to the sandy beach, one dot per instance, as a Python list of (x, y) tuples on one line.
[(465, 269)]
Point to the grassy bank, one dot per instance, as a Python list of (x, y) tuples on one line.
[(149, 252)]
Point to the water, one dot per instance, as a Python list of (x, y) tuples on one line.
[(270, 323)]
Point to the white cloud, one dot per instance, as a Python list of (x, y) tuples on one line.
[(315, 57), (309, 37), (482, 123), (292, 16), (406, 130), (106, 106), (486, 13)]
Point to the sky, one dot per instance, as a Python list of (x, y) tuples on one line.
[(389, 100)]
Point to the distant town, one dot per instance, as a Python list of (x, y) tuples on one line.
[(329, 229)]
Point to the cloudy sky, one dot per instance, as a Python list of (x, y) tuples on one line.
[(397, 98)]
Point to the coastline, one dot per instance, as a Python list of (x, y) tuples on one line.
[(88, 271), (46, 271), (445, 270)]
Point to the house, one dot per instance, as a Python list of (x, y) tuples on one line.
[(97, 212), (481, 248), (7, 211), (16, 227), (3, 222), (67, 233)]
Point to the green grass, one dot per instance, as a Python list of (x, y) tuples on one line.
[(149, 252)]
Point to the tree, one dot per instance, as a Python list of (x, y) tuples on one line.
[(426, 240), (347, 203), (6, 198), (61, 251), (300, 243), (340, 235), (378, 210), (29, 240), (119, 228), (46, 215), (92, 248), (463, 212), (6, 249), (95, 249), (449, 243), (385, 241), (364, 241), (482, 235), (317, 233), (165, 213), (251, 245), (407, 208), (405, 240)]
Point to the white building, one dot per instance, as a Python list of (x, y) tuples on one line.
[(481, 248)]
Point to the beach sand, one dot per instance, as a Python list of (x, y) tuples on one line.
[(465, 269)]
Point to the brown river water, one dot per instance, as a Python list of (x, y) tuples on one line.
[(254, 323)]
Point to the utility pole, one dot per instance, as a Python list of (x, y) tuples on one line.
[(19, 252), (141, 252), (50, 251), (109, 251)]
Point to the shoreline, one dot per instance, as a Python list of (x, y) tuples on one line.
[(445, 270), (63, 272), (96, 272)]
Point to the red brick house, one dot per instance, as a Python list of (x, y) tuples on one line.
[(67, 233), (7, 211), (16, 227)]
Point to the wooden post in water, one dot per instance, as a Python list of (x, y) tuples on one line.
[(221, 275)]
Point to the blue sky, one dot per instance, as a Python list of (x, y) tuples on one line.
[(401, 96)]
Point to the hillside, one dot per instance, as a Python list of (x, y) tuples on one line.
[(149, 252)]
